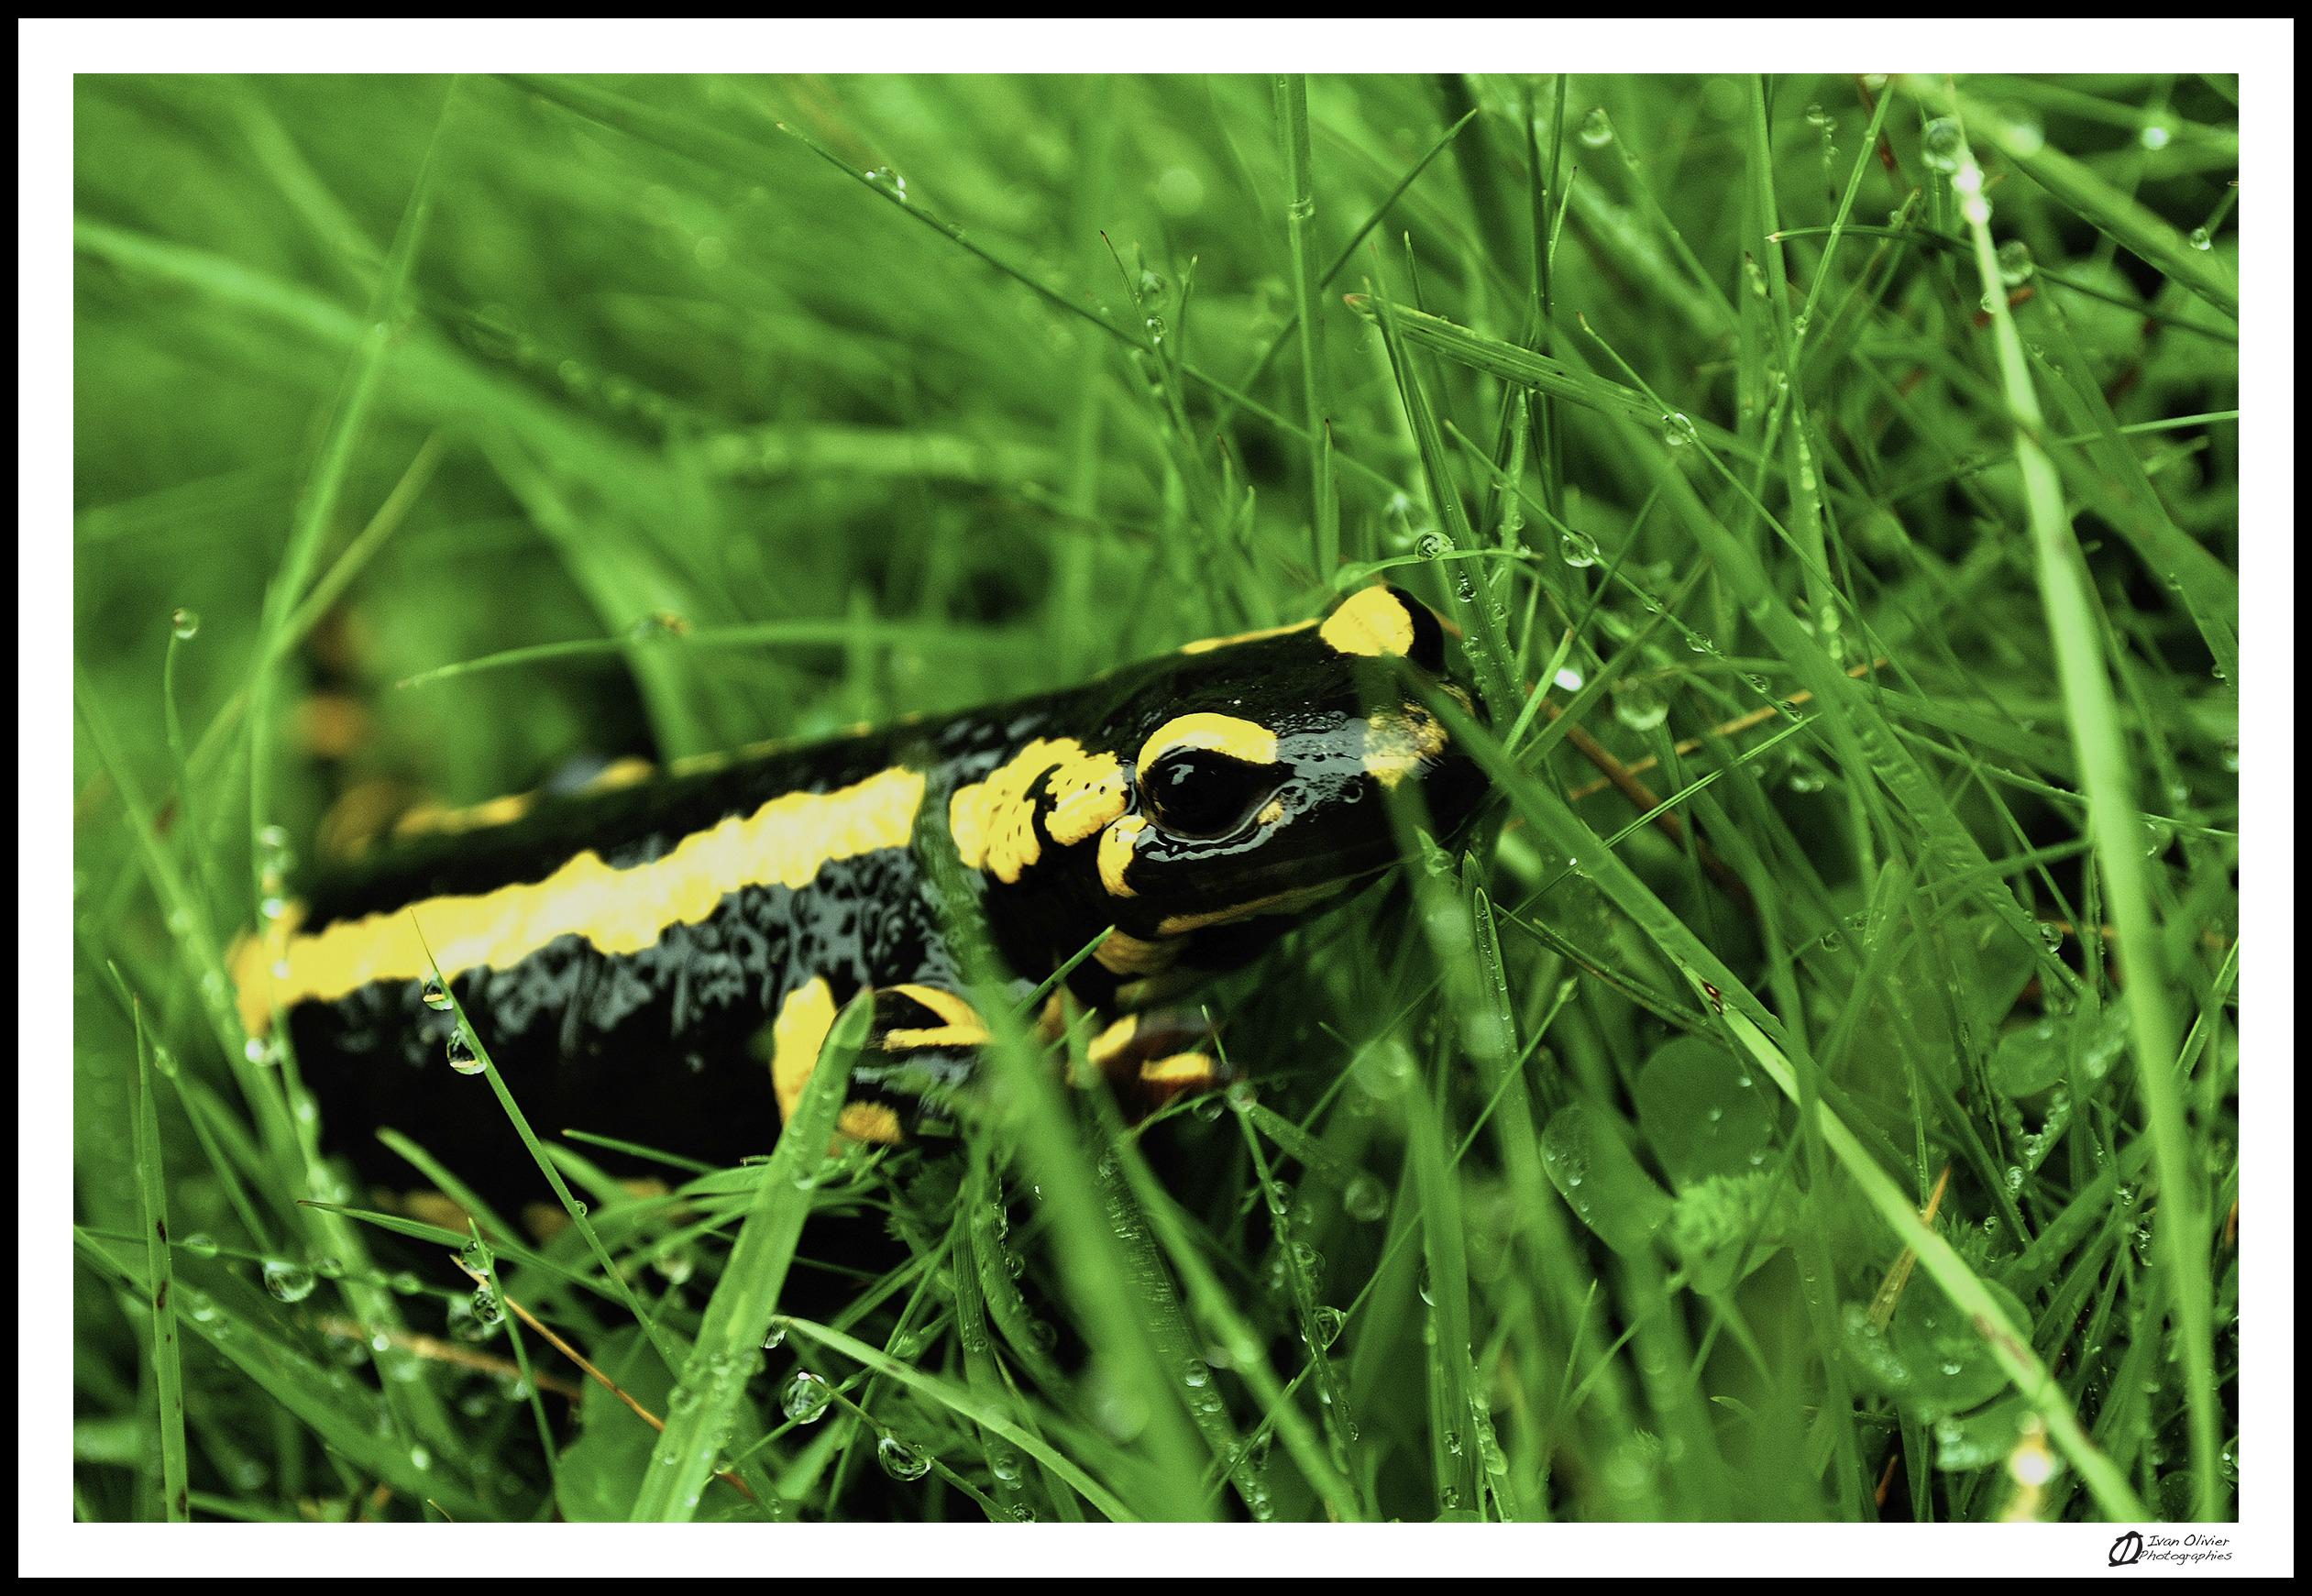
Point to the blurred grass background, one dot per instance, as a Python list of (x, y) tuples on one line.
[(1575, 1179)]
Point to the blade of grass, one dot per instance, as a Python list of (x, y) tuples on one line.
[(152, 1201), (2091, 710), (728, 1349)]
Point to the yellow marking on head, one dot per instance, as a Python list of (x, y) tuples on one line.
[(1229, 734), (1270, 812), (1115, 853), (616, 911), (1398, 745), (994, 820), (796, 1035), (939, 1001), (1113, 1041), (1124, 955), (1374, 622), (1086, 794), (939, 1036), (1206, 644), (1286, 902), (1178, 1070), (876, 1122)]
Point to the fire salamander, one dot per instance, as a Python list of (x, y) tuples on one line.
[(632, 954)]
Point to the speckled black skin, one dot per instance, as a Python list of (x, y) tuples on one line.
[(661, 1047)]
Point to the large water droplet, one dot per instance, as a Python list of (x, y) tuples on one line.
[(184, 623), (287, 1280), (2015, 263), (1596, 129), (806, 1397), (900, 1460), (1943, 144)]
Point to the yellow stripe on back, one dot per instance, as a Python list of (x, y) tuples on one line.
[(616, 912)]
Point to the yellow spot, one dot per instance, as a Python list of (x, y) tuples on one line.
[(1229, 734), (618, 774), (1398, 745), (1124, 955), (616, 911), (1205, 645), (1270, 812), (876, 1122), (1374, 623), (1113, 1041), (1086, 794), (796, 1035), (437, 820), (254, 962), (436, 1208), (1287, 902), (994, 820), (939, 1001), (1115, 853), (1177, 1071)]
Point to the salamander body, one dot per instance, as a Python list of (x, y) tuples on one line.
[(634, 958)]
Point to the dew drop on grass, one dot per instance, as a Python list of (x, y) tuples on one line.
[(889, 181), (201, 1244), (900, 1460), (288, 1281), (1637, 706), (435, 997), (1004, 1466), (1243, 1095), (1156, 329), (1365, 1199), (1196, 1374), (1678, 430), (806, 1397), (461, 1055), (1943, 144), (1209, 1106), (1327, 1320), (1426, 1294), (1596, 130), (2200, 238), (184, 623), (2156, 136), (1577, 550), (2015, 263), (1431, 546)]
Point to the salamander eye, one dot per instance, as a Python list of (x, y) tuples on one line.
[(1198, 795)]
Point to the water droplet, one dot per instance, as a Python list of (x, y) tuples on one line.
[(1365, 1198), (1327, 1320), (806, 1397), (185, 623), (1596, 129), (1196, 1374), (1431, 546), (1242, 1096), (2156, 136), (2201, 238), (1637, 706), (1678, 430), (1577, 550), (1426, 1293), (435, 997), (1155, 329), (461, 1055), (900, 1460), (1208, 1108), (1816, 117), (1004, 1466), (2015, 263), (1943, 144), (889, 181), (288, 1281), (1280, 1197)]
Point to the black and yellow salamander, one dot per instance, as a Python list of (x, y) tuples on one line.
[(620, 951)]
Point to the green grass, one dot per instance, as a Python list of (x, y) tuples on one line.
[(473, 426)]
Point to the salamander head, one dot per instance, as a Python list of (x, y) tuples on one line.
[(1214, 794)]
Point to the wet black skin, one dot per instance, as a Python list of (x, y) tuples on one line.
[(663, 1048)]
